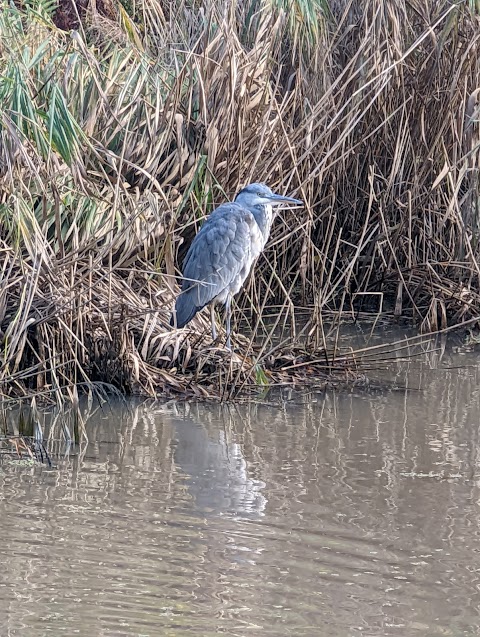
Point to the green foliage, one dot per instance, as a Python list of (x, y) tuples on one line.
[(306, 21), (261, 377)]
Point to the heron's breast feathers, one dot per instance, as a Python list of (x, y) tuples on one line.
[(257, 240)]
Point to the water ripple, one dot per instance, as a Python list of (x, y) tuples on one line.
[(338, 517)]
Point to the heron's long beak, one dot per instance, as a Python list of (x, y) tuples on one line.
[(281, 199)]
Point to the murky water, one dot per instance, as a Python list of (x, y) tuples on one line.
[(344, 514)]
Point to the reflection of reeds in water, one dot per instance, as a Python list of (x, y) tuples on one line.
[(271, 459), (312, 445), (42, 435), (349, 510), (117, 139), (390, 365), (23, 448)]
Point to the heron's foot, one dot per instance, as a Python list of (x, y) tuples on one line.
[(235, 359), (217, 340)]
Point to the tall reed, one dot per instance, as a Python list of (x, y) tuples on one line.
[(119, 136)]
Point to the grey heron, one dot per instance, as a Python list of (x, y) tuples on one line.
[(223, 252)]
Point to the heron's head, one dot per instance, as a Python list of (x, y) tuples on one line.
[(260, 195)]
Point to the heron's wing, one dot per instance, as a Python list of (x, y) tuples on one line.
[(216, 257)]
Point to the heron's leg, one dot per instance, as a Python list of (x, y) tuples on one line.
[(212, 319), (228, 312)]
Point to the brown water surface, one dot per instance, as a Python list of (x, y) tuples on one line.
[(338, 514)]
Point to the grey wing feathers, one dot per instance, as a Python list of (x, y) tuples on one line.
[(214, 259)]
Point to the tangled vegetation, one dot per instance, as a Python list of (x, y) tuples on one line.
[(122, 124)]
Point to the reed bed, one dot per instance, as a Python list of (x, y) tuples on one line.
[(123, 124)]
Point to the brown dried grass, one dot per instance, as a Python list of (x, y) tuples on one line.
[(113, 149)]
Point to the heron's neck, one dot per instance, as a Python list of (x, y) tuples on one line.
[(264, 218)]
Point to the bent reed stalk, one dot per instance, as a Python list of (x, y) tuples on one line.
[(119, 136)]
